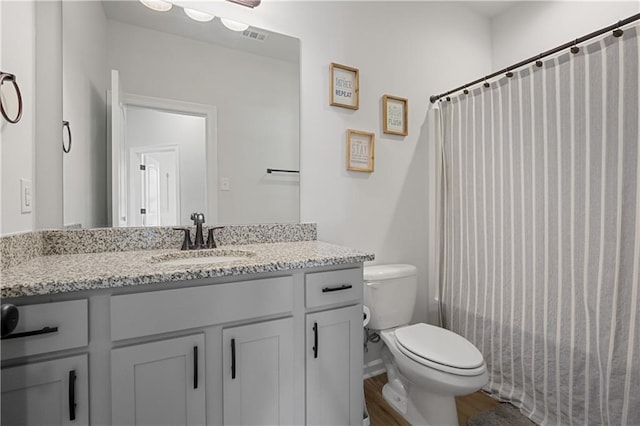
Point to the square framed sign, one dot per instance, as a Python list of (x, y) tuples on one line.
[(395, 115), (344, 87), (360, 151)]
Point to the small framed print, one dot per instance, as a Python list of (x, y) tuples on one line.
[(395, 113), (345, 86), (360, 149)]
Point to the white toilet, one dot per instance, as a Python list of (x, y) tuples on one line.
[(427, 366)]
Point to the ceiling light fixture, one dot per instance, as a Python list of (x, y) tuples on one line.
[(248, 3), (196, 15), (157, 5), (234, 25)]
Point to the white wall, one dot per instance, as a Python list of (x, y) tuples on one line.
[(532, 27), (85, 76), (409, 49), (257, 102), (17, 143), (48, 152)]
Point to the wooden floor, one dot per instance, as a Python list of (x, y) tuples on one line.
[(381, 413)]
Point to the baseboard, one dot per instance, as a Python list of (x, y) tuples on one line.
[(373, 368)]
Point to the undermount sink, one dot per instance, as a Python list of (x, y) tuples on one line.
[(201, 257)]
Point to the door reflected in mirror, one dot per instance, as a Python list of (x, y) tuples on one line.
[(242, 89)]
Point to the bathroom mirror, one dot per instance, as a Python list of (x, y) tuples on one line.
[(169, 115)]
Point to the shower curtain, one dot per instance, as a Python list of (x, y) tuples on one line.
[(541, 233)]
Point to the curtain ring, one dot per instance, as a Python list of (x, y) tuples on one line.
[(539, 62), (66, 149), (618, 32), (12, 78), (575, 49), (486, 83)]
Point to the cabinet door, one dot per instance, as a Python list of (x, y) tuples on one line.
[(334, 367), (46, 393), (159, 383), (258, 373)]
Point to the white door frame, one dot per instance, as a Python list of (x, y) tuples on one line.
[(211, 143)]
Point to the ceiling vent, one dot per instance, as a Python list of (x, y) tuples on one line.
[(254, 34)]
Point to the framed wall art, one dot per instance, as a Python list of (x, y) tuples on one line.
[(360, 151), (395, 115), (345, 86)]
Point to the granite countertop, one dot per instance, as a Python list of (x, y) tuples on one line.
[(89, 271)]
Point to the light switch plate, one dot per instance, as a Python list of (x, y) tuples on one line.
[(26, 199), (225, 184)]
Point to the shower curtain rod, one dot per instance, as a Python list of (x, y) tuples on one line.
[(617, 32)]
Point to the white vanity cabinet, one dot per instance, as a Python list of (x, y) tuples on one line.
[(46, 393), (258, 371), (165, 381), (334, 388), (225, 350), (159, 383)]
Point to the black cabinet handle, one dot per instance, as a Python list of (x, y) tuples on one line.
[(233, 358), (315, 340), (45, 330), (195, 367), (10, 317), (72, 395), (340, 288)]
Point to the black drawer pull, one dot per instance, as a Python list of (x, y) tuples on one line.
[(340, 288), (195, 367), (233, 359), (315, 340), (72, 395), (45, 330)]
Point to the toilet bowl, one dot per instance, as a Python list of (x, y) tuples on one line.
[(427, 366)]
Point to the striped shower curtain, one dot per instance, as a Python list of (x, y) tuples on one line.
[(541, 233)]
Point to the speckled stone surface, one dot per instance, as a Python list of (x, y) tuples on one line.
[(15, 249), (90, 271), (23, 247)]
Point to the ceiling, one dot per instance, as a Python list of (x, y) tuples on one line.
[(176, 22), (488, 9)]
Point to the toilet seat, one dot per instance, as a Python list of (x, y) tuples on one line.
[(440, 349)]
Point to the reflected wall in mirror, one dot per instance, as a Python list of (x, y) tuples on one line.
[(239, 91)]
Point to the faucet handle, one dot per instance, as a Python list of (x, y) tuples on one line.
[(186, 244), (197, 218), (211, 242)]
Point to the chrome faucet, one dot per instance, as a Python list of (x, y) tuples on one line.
[(198, 220)]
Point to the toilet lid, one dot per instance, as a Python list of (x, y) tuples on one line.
[(439, 346)]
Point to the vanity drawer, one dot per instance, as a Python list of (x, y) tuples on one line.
[(333, 287), (144, 314), (70, 318)]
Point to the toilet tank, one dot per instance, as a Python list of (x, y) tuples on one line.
[(390, 293)]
